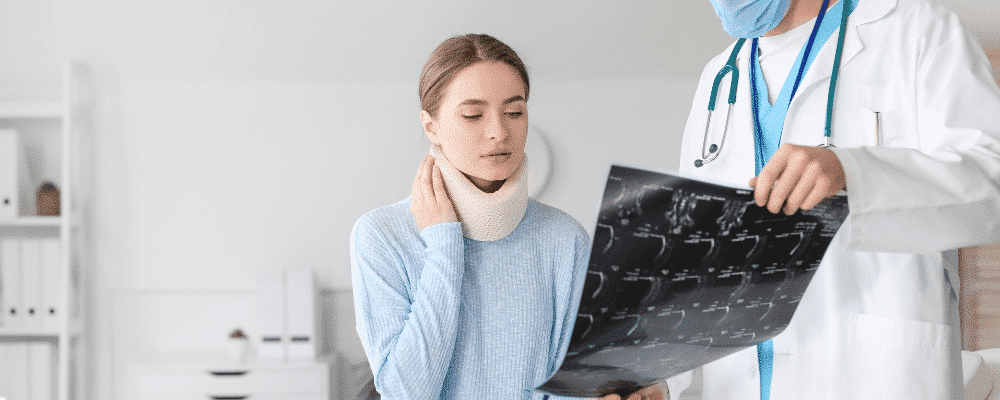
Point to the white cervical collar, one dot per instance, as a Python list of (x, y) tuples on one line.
[(485, 216)]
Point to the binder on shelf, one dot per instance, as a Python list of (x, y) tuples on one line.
[(300, 311), (8, 174), (31, 289), (40, 363), (14, 384), (10, 279), (271, 315), (52, 283)]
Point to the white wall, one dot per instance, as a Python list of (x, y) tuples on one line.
[(235, 136)]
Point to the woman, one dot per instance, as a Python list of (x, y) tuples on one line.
[(488, 315)]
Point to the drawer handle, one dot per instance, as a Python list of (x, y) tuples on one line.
[(228, 373), (230, 397)]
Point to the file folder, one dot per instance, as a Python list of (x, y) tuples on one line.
[(8, 174), (10, 279), (13, 370), (31, 275), (300, 311), (52, 283), (40, 363), (271, 315)]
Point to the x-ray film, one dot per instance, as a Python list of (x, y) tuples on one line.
[(682, 273)]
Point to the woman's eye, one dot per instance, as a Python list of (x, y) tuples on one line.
[(514, 114), (473, 117)]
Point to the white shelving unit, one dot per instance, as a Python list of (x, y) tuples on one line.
[(60, 132)]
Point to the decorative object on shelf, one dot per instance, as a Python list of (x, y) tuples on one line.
[(238, 346), (47, 200), (46, 269)]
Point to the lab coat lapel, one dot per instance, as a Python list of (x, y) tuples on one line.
[(822, 67)]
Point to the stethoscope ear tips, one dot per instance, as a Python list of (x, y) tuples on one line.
[(713, 148), (698, 163)]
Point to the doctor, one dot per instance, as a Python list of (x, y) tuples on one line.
[(914, 124)]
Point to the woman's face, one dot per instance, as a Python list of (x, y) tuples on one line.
[(482, 122)]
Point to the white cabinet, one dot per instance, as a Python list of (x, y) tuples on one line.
[(45, 260), (221, 381)]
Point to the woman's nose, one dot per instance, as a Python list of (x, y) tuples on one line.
[(496, 129)]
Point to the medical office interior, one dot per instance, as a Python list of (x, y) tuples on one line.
[(208, 156)]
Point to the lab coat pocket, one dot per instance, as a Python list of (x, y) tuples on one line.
[(872, 105), (894, 358)]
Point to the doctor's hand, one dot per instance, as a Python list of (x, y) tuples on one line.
[(430, 204), (798, 177)]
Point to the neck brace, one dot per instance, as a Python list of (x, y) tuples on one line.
[(485, 216)]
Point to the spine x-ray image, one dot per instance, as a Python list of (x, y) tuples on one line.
[(682, 273)]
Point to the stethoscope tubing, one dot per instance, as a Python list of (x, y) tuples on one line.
[(711, 152)]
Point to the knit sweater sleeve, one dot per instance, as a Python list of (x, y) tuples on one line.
[(407, 328), (571, 290)]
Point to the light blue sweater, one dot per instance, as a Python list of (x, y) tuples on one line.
[(443, 316)]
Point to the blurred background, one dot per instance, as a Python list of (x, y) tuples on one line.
[(234, 137)]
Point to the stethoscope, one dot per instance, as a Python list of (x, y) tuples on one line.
[(710, 152)]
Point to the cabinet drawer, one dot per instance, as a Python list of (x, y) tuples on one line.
[(149, 381)]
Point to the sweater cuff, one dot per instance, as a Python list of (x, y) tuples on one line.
[(443, 234), (445, 247)]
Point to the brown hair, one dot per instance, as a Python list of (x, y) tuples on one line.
[(456, 53)]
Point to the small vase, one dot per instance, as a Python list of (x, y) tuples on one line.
[(238, 349)]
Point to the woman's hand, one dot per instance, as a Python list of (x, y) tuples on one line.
[(651, 392), (430, 203)]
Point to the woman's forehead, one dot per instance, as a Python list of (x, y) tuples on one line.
[(485, 83)]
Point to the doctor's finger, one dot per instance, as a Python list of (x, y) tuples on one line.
[(791, 177), (819, 192), (797, 197), (810, 179), (767, 177)]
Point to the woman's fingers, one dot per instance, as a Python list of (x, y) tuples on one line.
[(430, 203), (440, 193), (416, 191), (425, 180)]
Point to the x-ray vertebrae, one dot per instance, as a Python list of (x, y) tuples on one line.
[(682, 273)]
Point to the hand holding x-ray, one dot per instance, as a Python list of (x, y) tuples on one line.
[(798, 177)]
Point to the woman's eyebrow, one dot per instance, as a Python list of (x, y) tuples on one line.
[(477, 102), (473, 102), (513, 99)]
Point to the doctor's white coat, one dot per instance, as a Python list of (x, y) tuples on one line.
[(880, 318)]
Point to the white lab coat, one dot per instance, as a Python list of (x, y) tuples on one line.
[(879, 320)]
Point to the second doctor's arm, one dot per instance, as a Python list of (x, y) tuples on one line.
[(408, 330), (941, 195)]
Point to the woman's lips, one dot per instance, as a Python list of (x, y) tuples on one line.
[(498, 157)]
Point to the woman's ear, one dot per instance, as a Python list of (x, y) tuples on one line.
[(429, 126)]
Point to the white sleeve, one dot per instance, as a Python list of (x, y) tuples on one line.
[(677, 384), (945, 194)]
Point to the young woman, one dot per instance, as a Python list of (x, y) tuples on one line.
[(468, 288)]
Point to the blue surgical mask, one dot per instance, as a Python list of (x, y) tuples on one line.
[(750, 18)]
